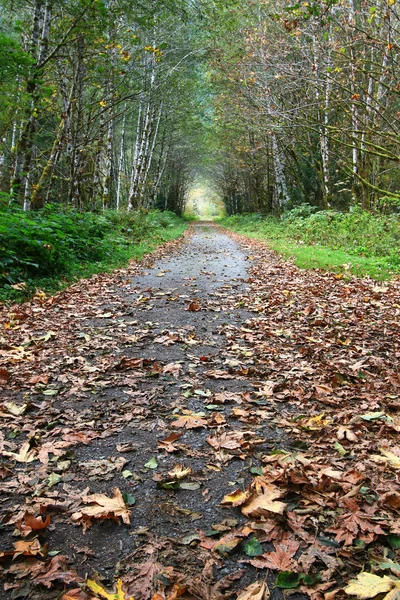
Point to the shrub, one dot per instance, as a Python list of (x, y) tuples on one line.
[(56, 242)]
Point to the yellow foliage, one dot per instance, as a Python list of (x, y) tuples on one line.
[(367, 585), (100, 591)]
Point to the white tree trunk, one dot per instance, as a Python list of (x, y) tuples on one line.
[(121, 160)]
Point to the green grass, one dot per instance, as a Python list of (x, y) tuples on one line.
[(50, 248), (356, 243)]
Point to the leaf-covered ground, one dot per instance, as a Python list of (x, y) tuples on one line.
[(215, 423)]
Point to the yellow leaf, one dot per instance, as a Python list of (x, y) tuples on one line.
[(317, 422), (98, 589), (179, 472), (367, 585), (235, 498), (263, 499), (392, 459)]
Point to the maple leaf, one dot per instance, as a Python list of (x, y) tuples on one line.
[(228, 441), (280, 560), (29, 548), (179, 472), (263, 500), (368, 585), (31, 523), (316, 422), (55, 571), (102, 592), (224, 545), (103, 507), (235, 498), (143, 580), (190, 420), (355, 523)]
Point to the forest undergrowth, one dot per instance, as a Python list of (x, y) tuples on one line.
[(42, 251), (356, 242)]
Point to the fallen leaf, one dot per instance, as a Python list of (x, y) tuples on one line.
[(168, 443), (26, 454), (264, 500), (102, 592), (4, 375), (103, 507), (189, 420), (194, 306), (235, 498), (368, 585), (179, 472), (151, 464), (255, 591), (14, 409)]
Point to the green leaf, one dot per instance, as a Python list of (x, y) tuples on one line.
[(340, 449), (252, 547), (373, 416), (151, 464), (128, 499), (256, 470), (310, 578), (393, 541), (287, 580), (169, 485), (53, 479)]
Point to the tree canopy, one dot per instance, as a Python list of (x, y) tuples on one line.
[(114, 104)]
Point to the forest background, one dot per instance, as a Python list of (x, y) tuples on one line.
[(110, 111)]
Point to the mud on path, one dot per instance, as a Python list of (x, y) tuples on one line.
[(217, 373)]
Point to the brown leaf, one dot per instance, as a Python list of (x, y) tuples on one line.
[(189, 420), (168, 443), (228, 441), (264, 500), (25, 454), (280, 560), (103, 507), (255, 591), (194, 306), (56, 571), (4, 375), (174, 369)]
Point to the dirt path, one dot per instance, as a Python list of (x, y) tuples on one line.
[(219, 372)]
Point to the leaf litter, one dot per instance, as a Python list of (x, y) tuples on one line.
[(206, 435)]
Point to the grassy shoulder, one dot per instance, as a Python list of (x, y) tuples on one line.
[(48, 249), (356, 243)]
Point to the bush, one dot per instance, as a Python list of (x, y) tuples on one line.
[(45, 246), (48, 242), (357, 233)]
